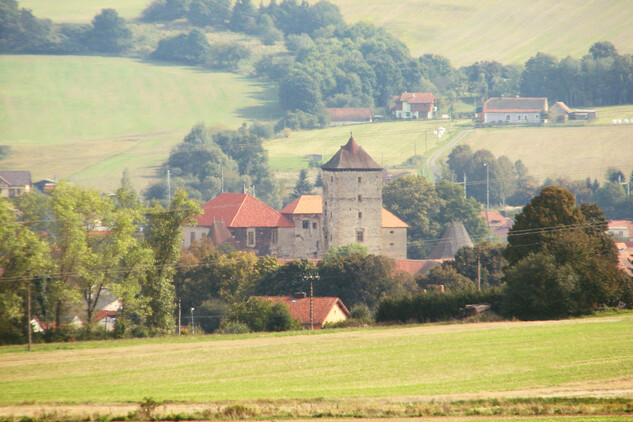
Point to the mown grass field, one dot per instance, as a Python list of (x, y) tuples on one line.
[(89, 118), (521, 359), (508, 31), (80, 11)]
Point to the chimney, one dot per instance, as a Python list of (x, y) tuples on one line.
[(300, 295)]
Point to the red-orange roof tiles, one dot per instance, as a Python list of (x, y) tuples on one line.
[(300, 307), (240, 210), (305, 204)]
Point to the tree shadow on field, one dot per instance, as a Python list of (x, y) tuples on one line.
[(268, 108)]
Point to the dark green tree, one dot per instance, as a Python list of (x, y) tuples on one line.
[(302, 187), (244, 17), (109, 33), (416, 202), (562, 262), (192, 48)]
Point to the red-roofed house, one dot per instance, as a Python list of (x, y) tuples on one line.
[(414, 105), (325, 309), (498, 224), (514, 110), (255, 226), (621, 229)]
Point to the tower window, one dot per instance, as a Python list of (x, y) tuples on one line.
[(360, 198), (360, 214), (314, 225), (360, 235), (360, 179), (250, 237), (306, 224)]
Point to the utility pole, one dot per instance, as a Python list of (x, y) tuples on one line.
[(168, 188), (478, 273), (487, 192), (193, 326), (28, 316), (465, 189), (179, 315), (311, 276)]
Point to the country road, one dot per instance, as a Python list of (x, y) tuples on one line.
[(432, 160)]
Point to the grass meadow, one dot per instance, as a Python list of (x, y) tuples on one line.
[(81, 11), (88, 118), (523, 359), (508, 31)]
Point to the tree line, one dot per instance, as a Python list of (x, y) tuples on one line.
[(501, 182), (211, 161), (61, 252), (326, 62)]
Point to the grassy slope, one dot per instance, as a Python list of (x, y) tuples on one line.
[(88, 118), (419, 360), (572, 152), (508, 31), (83, 10)]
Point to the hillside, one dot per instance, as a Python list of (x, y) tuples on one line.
[(508, 31), (586, 357), (88, 118)]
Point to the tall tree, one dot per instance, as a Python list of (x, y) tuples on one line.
[(561, 260), (164, 237), (109, 33), (302, 187)]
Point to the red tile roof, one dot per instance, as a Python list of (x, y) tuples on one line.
[(391, 221), (300, 307), (103, 314), (416, 98), (305, 204), (350, 114), (240, 210), (417, 266)]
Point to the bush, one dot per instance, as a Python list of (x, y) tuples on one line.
[(434, 306), (360, 311), (234, 327)]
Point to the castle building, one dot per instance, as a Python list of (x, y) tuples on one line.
[(350, 211), (352, 199)]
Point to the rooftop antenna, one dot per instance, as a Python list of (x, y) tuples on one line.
[(168, 187)]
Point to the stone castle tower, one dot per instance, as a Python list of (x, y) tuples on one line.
[(352, 199)]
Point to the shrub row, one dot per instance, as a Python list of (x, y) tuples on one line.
[(434, 306)]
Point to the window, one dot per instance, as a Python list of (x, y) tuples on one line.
[(192, 237), (306, 224), (507, 117), (519, 117), (390, 231), (360, 214), (360, 198), (274, 236), (314, 225), (360, 179), (360, 235), (250, 237)]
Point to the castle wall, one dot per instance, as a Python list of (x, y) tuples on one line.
[(352, 208)]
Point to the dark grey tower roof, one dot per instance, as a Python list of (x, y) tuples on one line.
[(351, 156), (455, 238)]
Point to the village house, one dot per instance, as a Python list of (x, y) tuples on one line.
[(350, 211), (514, 110), (253, 226), (414, 105), (14, 183), (324, 309), (349, 115)]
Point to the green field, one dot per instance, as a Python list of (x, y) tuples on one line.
[(508, 31), (572, 152), (524, 359), (88, 118), (74, 11)]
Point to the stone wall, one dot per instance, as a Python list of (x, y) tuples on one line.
[(352, 204)]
